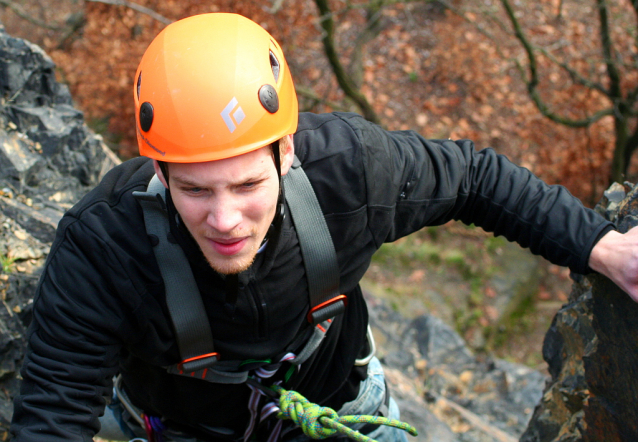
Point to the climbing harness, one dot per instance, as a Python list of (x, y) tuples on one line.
[(152, 425), (371, 352), (315, 421), (193, 332)]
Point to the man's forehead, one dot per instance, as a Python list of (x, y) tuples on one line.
[(231, 169)]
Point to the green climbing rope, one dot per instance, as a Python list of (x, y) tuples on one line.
[(321, 422)]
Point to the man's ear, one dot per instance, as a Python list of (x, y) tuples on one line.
[(159, 173), (288, 156)]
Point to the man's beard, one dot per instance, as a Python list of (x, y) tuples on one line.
[(233, 266), (229, 265)]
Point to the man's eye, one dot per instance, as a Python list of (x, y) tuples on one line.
[(194, 190)]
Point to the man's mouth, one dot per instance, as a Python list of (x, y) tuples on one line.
[(228, 246)]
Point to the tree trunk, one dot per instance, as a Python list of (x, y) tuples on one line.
[(618, 163)]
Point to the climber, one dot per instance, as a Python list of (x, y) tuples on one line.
[(227, 288)]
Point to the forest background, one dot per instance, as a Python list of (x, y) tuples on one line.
[(552, 84)]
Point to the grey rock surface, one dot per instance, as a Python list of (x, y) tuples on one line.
[(459, 396), (48, 159)]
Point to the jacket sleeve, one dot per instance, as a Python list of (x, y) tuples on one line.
[(413, 182), (74, 339)]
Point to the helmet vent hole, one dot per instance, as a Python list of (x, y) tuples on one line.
[(274, 64), (139, 84)]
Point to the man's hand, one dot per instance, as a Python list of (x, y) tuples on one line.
[(616, 256)]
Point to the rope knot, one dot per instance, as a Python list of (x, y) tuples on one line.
[(305, 414), (319, 422)]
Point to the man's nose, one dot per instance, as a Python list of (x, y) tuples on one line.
[(224, 215)]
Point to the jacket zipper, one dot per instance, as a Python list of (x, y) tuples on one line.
[(407, 187), (260, 308)]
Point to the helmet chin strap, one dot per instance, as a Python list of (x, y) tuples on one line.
[(164, 168), (275, 227)]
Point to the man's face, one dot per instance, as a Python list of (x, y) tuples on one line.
[(228, 205)]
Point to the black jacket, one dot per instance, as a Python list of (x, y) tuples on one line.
[(100, 305)]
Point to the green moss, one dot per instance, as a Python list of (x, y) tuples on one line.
[(7, 263), (448, 271), (517, 322), (494, 243)]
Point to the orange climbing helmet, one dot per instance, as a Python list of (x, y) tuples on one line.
[(212, 86)]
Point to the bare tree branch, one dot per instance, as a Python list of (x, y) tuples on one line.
[(135, 7), (559, 10), (576, 77), (631, 146), (518, 32), (276, 6), (623, 148), (622, 108), (345, 81), (372, 30), (632, 96), (605, 38), (479, 27), (312, 95), (532, 81), (475, 420), (17, 9), (75, 23)]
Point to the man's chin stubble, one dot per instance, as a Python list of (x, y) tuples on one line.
[(232, 267)]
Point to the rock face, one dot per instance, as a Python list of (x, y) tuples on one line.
[(49, 159), (450, 394), (591, 352), (610, 364), (568, 339)]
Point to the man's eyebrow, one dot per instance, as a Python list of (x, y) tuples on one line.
[(259, 176), (184, 180)]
